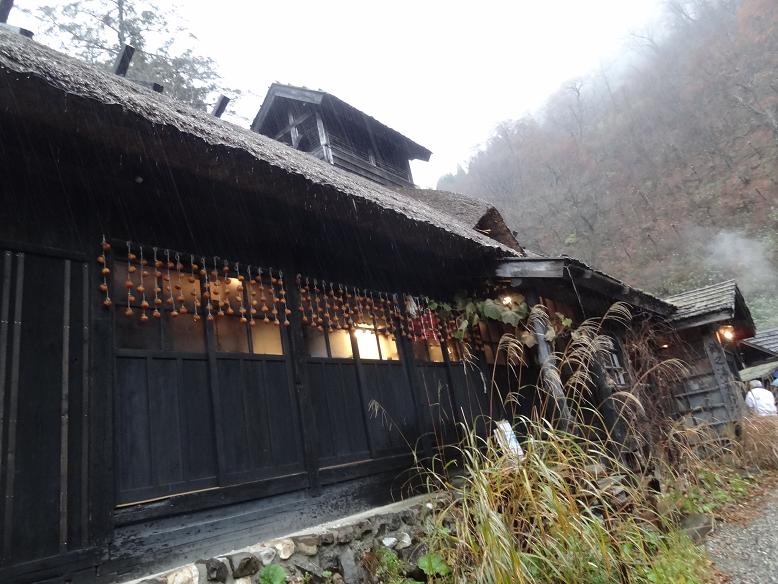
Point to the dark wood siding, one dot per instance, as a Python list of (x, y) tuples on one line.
[(437, 401), (260, 426), (392, 422), (164, 427), (42, 379), (340, 413)]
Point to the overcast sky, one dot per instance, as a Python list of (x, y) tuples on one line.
[(444, 73)]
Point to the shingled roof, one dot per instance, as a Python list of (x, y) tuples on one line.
[(31, 72), (319, 97), (710, 304), (766, 340)]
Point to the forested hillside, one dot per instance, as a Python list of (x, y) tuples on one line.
[(665, 172)]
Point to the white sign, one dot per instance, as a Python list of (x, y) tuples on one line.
[(506, 437)]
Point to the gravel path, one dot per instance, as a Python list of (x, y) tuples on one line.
[(749, 553)]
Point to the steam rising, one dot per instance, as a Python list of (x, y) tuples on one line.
[(746, 259)]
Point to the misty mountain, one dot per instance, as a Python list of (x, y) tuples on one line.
[(663, 172)]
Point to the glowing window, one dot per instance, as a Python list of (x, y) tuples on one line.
[(388, 348), (367, 343), (436, 351), (340, 344), (266, 338)]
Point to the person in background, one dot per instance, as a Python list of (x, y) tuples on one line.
[(759, 400)]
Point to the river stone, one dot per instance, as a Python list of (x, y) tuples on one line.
[(403, 541), (306, 549), (344, 534), (185, 575), (265, 554), (215, 570), (285, 548), (244, 564), (348, 566)]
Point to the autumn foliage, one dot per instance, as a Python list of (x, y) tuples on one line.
[(662, 168)]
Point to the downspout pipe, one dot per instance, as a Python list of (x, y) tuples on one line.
[(549, 375)]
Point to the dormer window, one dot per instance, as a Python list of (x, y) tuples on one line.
[(328, 128)]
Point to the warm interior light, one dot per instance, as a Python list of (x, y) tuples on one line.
[(366, 342), (727, 332), (507, 300), (664, 346)]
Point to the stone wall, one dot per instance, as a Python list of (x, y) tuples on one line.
[(332, 553)]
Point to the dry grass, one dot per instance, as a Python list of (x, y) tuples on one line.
[(760, 442), (571, 509)]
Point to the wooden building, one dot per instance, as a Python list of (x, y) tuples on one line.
[(709, 323), (760, 348), (199, 323), (328, 128)]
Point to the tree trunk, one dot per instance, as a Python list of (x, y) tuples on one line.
[(5, 9)]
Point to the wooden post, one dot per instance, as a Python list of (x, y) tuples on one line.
[(213, 382), (64, 430), (324, 139), (724, 378), (101, 386), (13, 401), (294, 133), (545, 359), (220, 106), (310, 428), (123, 60)]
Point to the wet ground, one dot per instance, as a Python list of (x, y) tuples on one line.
[(746, 550)]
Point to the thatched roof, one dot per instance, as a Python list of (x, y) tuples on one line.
[(470, 211), (30, 73)]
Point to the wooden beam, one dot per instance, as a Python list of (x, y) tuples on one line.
[(123, 60), (4, 334), (13, 403), (85, 339), (64, 411), (531, 269), (293, 131), (292, 123), (323, 138)]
